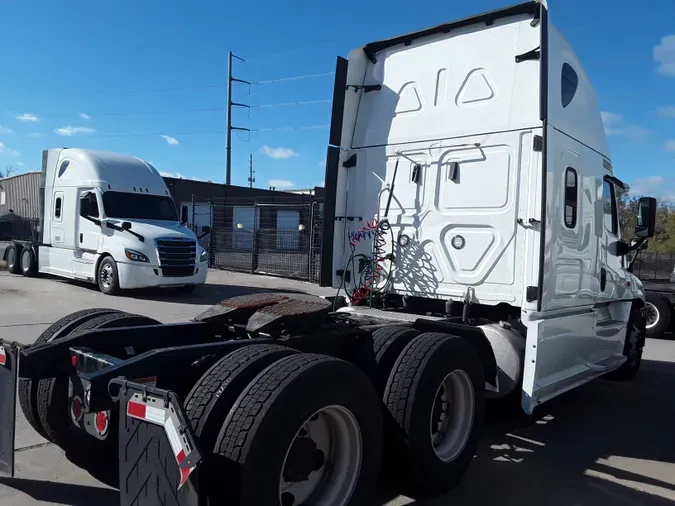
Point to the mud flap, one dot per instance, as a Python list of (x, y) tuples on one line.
[(157, 449), (9, 373)]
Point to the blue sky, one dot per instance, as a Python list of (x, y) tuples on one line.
[(148, 78)]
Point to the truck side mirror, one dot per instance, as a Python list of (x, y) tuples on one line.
[(183, 215), (619, 248), (126, 225), (646, 218), (206, 229)]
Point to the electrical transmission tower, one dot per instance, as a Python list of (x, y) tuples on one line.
[(251, 172), (230, 104)]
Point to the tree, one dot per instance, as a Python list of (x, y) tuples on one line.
[(7, 171)]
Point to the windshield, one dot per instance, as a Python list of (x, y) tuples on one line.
[(137, 206)]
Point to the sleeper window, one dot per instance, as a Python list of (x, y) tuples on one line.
[(571, 197), (609, 208), (569, 83)]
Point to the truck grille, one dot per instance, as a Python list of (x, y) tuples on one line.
[(177, 257)]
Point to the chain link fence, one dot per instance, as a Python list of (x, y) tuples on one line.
[(654, 266), (281, 239)]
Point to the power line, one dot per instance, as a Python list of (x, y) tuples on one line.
[(201, 132), (295, 78), (314, 127), (157, 113), (286, 104)]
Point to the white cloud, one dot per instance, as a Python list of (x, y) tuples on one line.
[(664, 55), (7, 151), (68, 131), (616, 126), (20, 164), (670, 146), (667, 112), (33, 135), (84, 115), (177, 175), (28, 117), (172, 141), (278, 153), (280, 183), (654, 186), (610, 118), (5, 130)]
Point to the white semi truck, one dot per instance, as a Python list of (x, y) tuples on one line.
[(471, 228), (108, 219)]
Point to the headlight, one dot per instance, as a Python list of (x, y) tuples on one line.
[(136, 256), (204, 256)]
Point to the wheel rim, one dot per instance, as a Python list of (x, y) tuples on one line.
[(25, 260), (11, 257), (107, 276), (652, 316), (452, 415), (323, 461)]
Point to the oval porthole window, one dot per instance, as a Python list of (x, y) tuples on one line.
[(63, 167), (569, 84)]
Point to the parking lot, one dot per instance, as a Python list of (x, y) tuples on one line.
[(603, 444)]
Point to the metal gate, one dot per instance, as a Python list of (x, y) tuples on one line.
[(277, 239)]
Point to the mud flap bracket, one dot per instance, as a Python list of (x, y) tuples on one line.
[(157, 449)]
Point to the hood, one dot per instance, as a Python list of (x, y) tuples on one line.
[(152, 229)]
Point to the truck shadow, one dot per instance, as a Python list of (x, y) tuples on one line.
[(52, 492), (207, 294), (602, 444)]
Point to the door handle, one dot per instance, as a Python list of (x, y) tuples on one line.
[(603, 279), (81, 238)]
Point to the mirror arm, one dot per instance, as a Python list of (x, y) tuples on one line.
[(636, 248)]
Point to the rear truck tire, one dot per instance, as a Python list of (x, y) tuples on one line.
[(57, 330), (632, 349), (54, 408), (186, 288), (12, 256), (659, 314), (435, 398), (378, 354), (107, 276), (212, 397), (307, 430), (28, 263)]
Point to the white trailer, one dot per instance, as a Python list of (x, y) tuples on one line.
[(108, 219), (471, 222)]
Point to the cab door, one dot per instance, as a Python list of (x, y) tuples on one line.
[(89, 220)]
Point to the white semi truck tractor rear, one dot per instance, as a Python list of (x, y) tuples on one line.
[(471, 229)]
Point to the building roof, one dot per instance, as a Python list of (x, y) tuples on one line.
[(19, 175)]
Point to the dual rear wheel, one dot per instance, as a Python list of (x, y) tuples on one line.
[(294, 428), (21, 260)]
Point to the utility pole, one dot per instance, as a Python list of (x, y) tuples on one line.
[(251, 172), (230, 103)]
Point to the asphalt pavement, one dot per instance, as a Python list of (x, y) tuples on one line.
[(603, 444)]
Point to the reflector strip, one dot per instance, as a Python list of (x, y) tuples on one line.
[(3, 356), (136, 410), (144, 412), (155, 415), (174, 438)]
